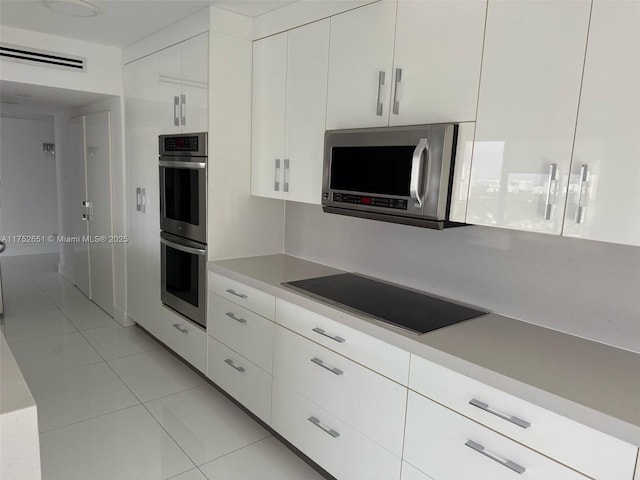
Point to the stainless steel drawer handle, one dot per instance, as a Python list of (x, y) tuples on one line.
[(506, 463), (237, 319), (229, 362), (328, 430), (322, 332), (396, 101), (485, 406), (379, 104), (233, 292), (335, 371), (180, 329), (176, 115), (550, 201)]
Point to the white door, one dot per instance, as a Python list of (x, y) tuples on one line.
[(528, 102), (98, 157), (306, 105), (360, 61), (170, 88), (268, 116), (194, 98), (438, 51), (607, 145), (79, 213)]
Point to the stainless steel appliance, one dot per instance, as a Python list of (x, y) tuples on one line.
[(397, 174), (183, 221), (183, 185), (184, 276), (412, 311)]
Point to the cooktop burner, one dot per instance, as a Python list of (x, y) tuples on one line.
[(416, 312)]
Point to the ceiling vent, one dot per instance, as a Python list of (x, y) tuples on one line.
[(43, 58)]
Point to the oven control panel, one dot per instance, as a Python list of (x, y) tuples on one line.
[(384, 202), (181, 144)]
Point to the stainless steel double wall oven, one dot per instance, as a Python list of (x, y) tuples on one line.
[(183, 221)]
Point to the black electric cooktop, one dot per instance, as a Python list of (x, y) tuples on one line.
[(416, 312)]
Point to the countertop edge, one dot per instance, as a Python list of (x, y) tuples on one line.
[(570, 409)]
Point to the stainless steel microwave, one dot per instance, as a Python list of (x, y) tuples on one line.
[(395, 174)]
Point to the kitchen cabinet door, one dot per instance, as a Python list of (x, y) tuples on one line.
[(195, 84), (306, 104), (360, 62), (268, 116), (170, 88), (438, 51), (605, 173), (528, 102)]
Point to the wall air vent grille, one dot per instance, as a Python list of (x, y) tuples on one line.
[(43, 58)]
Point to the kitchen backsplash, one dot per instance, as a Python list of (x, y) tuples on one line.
[(590, 289)]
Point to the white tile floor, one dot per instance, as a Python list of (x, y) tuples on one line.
[(113, 404)]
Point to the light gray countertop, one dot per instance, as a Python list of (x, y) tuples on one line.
[(589, 382)]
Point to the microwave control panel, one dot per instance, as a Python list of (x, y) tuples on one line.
[(396, 203)]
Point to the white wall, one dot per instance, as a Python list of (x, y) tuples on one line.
[(104, 63), (590, 289), (28, 178)]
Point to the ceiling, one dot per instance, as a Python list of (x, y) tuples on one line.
[(30, 101), (120, 22)]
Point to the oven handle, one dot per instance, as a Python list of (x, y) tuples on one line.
[(195, 251), (190, 165), (416, 172)]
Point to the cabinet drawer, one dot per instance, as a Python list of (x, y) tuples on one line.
[(448, 446), (241, 294), (587, 450), (375, 354), (186, 339), (245, 332), (240, 378), (349, 391), (336, 447)]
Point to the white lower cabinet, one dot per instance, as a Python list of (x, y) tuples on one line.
[(242, 330), (244, 381), (448, 446), (587, 450), (185, 338), (351, 392), (328, 441)]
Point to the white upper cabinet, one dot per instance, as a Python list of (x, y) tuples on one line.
[(605, 173), (360, 66), (528, 102), (307, 65), (438, 52), (183, 79), (268, 115), (289, 108)]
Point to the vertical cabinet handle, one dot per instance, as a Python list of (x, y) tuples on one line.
[(138, 199), (485, 406), (325, 334), (285, 187), (328, 430), (176, 114), (379, 105), (505, 463), (183, 109), (584, 176), (552, 182), (396, 101), (276, 183)]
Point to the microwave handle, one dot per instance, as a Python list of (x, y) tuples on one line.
[(416, 172)]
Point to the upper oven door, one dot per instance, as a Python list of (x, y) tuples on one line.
[(183, 197)]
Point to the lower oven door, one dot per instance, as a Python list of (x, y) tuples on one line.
[(184, 270)]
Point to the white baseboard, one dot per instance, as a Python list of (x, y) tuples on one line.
[(65, 271)]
